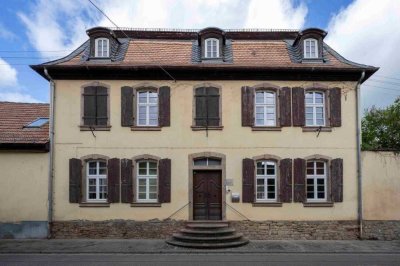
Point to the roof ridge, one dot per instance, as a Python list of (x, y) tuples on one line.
[(1, 102), (197, 30)]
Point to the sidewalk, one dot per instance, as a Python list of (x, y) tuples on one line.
[(152, 246)]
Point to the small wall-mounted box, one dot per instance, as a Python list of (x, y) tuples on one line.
[(235, 197)]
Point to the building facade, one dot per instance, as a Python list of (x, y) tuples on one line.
[(153, 128)]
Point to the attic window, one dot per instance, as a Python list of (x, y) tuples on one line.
[(211, 48), (37, 123), (102, 47), (310, 48)]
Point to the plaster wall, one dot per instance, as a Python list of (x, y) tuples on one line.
[(23, 186), (178, 141), (381, 185)]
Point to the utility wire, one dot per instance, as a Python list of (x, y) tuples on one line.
[(388, 77), (154, 61), (387, 82)]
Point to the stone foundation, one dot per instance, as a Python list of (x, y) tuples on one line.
[(115, 229), (381, 230), (256, 230), (298, 230)]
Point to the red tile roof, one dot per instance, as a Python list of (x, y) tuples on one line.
[(13, 118)]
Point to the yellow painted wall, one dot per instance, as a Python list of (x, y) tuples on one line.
[(23, 186), (381, 185), (178, 141)]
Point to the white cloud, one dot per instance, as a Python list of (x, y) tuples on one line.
[(6, 34), (17, 97), (57, 25), (367, 31), (8, 76), (276, 14)]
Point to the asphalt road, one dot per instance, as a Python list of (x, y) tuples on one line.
[(201, 259)]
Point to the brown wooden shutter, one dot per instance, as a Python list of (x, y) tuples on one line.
[(298, 106), (247, 106), (164, 180), (337, 180), (126, 106), (101, 106), (113, 175), (164, 106), (126, 181), (75, 180), (285, 107), (89, 106), (213, 107), (201, 107), (248, 181), (285, 187), (335, 105), (299, 180)]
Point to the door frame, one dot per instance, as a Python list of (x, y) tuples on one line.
[(221, 167)]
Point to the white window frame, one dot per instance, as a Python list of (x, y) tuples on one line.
[(315, 42), (104, 53), (266, 177), (265, 106), (314, 107), (315, 177), (147, 179), (147, 106), (216, 51), (97, 177)]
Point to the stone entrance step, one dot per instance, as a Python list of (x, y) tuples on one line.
[(207, 234)]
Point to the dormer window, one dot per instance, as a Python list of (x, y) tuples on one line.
[(310, 48), (102, 47), (211, 48)]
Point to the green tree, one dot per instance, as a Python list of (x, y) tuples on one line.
[(381, 128)]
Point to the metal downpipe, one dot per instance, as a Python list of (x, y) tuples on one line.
[(51, 155), (359, 169)]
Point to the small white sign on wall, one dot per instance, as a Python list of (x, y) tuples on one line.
[(229, 182)]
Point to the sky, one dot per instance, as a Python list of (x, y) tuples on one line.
[(32, 32)]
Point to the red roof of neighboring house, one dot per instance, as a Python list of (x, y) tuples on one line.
[(13, 119)]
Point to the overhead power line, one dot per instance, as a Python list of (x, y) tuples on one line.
[(382, 81), (388, 77), (154, 61)]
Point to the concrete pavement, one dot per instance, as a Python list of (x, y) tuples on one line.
[(152, 246)]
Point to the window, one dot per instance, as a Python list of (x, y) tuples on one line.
[(265, 108), (316, 181), (310, 48), (37, 123), (211, 48), (147, 181), (206, 162), (95, 105), (315, 108), (101, 47), (147, 108), (266, 181), (96, 181), (207, 103)]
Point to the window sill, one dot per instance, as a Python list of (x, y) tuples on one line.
[(318, 204), (267, 204), (198, 128), (146, 204), (140, 128), (315, 129), (255, 128), (94, 204), (94, 128)]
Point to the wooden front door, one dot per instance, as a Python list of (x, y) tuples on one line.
[(207, 195)]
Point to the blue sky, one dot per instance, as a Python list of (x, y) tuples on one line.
[(35, 31)]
